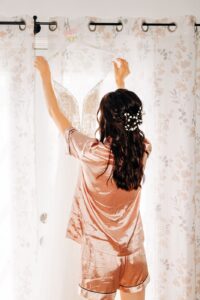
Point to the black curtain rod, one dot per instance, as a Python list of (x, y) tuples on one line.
[(37, 25)]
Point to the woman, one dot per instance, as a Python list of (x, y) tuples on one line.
[(105, 217)]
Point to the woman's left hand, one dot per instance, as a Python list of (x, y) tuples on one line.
[(42, 65)]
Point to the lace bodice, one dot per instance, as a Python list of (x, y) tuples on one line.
[(70, 107)]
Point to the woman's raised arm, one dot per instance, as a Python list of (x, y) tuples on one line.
[(61, 121)]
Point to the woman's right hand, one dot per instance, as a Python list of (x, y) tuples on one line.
[(121, 72)]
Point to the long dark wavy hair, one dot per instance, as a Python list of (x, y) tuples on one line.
[(127, 146)]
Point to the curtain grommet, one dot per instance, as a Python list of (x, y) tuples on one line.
[(147, 26), (53, 23), (174, 24), (91, 23), (22, 28), (120, 24)]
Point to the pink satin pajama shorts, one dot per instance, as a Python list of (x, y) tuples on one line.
[(103, 273)]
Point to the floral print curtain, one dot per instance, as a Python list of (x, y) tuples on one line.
[(165, 74), (18, 197)]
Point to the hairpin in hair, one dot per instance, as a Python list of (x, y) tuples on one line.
[(132, 121)]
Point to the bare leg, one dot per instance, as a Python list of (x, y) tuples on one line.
[(133, 296)]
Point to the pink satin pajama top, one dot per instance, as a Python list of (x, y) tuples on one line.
[(103, 216)]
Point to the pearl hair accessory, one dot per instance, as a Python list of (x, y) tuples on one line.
[(137, 120)]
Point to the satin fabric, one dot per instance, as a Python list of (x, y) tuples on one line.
[(102, 216), (102, 273)]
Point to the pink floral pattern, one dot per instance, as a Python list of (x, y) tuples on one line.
[(18, 207), (166, 75)]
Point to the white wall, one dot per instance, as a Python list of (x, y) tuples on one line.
[(101, 8)]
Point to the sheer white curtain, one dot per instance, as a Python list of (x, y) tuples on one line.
[(165, 74), (18, 201)]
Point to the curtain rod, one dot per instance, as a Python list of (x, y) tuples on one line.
[(37, 25)]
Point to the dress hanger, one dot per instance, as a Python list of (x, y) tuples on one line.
[(85, 121)]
